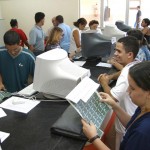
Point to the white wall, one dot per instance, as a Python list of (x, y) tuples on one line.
[(24, 11)]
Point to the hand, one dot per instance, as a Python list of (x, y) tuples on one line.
[(112, 61), (89, 129), (107, 99), (103, 79), (2, 87), (78, 49)]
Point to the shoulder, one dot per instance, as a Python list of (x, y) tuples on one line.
[(3, 51), (28, 53)]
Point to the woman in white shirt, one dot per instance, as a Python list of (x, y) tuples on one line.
[(75, 41)]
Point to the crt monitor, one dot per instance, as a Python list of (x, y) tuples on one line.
[(55, 75), (93, 45)]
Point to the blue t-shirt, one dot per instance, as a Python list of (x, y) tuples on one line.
[(137, 136), (143, 54), (65, 41), (16, 70)]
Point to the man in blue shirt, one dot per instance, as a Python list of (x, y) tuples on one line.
[(37, 35), (65, 41), (16, 64)]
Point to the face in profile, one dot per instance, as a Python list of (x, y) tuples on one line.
[(137, 94), (143, 24)]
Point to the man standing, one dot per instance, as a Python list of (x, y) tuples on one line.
[(65, 41), (16, 63), (125, 52), (138, 18), (37, 35), (23, 37)]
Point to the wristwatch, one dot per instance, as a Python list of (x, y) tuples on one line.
[(93, 138)]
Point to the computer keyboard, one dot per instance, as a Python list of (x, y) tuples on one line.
[(93, 110), (27, 91), (4, 94)]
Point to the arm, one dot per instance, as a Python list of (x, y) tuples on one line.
[(117, 65), (114, 76), (31, 47), (77, 38), (145, 30), (117, 109), (2, 87), (90, 131)]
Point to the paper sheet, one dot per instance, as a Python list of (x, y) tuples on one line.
[(79, 63), (3, 136), (2, 113), (104, 65), (78, 93), (19, 104)]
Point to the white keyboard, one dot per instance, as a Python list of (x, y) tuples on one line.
[(27, 91)]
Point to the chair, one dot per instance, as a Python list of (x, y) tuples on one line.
[(123, 27)]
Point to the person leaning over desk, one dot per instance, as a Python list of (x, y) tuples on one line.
[(16, 63), (137, 136)]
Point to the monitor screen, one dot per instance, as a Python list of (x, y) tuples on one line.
[(55, 74), (93, 45)]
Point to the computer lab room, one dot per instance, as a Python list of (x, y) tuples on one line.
[(74, 75)]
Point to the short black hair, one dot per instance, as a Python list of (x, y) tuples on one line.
[(130, 44), (11, 38), (136, 33), (147, 21), (39, 16), (60, 19), (13, 22)]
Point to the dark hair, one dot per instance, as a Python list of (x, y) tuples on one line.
[(138, 7), (147, 21), (81, 21), (11, 38), (140, 73), (60, 19), (93, 22), (138, 34), (39, 16), (130, 44), (13, 22)]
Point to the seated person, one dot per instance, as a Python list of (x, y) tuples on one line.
[(126, 50), (143, 54), (93, 24), (54, 38), (146, 30), (16, 63), (138, 126)]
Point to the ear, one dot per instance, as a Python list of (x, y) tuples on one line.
[(130, 55)]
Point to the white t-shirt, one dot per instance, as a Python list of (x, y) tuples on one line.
[(120, 93), (73, 46)]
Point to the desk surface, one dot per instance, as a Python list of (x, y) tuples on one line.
[(32, 131)]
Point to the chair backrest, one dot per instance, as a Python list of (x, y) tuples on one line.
[(93, 45), (123, 27)]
